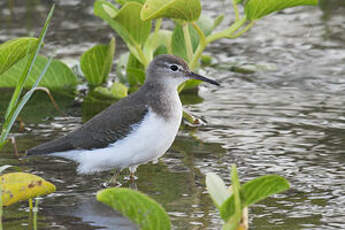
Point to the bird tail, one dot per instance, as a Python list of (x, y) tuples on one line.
[(59, 145)]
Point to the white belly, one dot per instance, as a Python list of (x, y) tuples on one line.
[(148, 141)]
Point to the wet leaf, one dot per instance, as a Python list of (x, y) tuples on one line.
[(119, 90), (23, 186), (187, 10), (254, 191), (141, 209), (162, 38), (256, 9), (217, 189), (58, 76), (96, 63), (126, 21), (14, 50)]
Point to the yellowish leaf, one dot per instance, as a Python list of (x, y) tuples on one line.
[(23, 186)]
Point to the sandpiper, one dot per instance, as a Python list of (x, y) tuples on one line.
[(137, 129)]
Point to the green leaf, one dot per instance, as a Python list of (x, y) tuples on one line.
[(187, 10), (96, 63), (126, 21), (9, 121), (122, 2), (216, 188), (23, 186), (141, 209), (233, 222), (178, 44), (217, 21), (254, 191), (59, 76), (255, 9), (14, 50), (162, 38), (135, 71), (119, 90)]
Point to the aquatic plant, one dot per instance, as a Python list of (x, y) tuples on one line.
[(12, 184), (18, 186), (17, 102), (148, 214), (232, 201), (192, 33)]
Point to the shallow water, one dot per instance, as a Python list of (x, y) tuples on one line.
[(287, 118)]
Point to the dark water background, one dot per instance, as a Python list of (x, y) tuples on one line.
[(287, 118)]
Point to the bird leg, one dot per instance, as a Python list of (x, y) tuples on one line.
[(132, 171)]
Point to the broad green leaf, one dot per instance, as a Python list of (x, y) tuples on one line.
[(161, 50), (58, 76), (135, 71), (254, 191), (162, 38), (216, 188), (122, 2), (14, 50), (187, 10), (126, 21), (141, 209), (23, 186), (178, 44), (101, 92), (255, 9), (119, 90), (96, 63)]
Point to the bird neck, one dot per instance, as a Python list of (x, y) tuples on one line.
[(163, 99)]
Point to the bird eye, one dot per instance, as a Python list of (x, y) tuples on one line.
[(173, 67)]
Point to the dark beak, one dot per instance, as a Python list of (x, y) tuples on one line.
[(199, 77)]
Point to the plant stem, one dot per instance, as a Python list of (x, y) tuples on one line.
[(250, 25), (158, 26), (0, 206), (35, 211), (188, 41), (202, 45), (237, 15), (227, 32)]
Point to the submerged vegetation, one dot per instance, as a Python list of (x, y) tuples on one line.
[(133, 21)]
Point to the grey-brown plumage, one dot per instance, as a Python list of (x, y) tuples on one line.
[(113, 124)]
